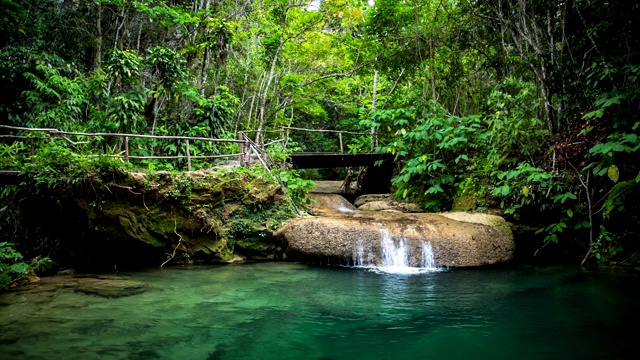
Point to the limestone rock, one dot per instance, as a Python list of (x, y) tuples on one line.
[(494, 221), (380, 202), (363, 199), (331, 187), (329, 203), (477, 240)]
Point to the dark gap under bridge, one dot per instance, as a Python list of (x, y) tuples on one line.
[(375, 180)]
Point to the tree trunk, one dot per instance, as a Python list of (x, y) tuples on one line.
[(99, 37), (373, 108), (265, 93)]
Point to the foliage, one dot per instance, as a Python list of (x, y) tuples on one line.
[(297, 187), (14, 269)]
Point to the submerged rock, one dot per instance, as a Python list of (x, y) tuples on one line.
[(109, 286), (457, 240)]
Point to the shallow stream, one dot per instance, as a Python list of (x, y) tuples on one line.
[(294, 311)]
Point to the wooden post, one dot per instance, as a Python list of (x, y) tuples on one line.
[(126, 150), (188, 156), (241, 147), (341, 148), (247, 152)]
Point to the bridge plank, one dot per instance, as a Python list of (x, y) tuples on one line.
[(335, 160)]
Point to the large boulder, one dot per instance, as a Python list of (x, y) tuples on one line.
[(457, 239)]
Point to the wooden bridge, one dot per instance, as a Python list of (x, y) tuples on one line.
[(247, 151)]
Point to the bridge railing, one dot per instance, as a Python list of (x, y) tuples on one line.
[(284, 131), (244, 142), (54, 134)]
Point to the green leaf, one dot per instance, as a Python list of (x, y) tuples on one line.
[(614, 173), (570, 212), (20, 268), (597, 114)]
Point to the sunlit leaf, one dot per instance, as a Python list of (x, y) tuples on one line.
[(614, 173)]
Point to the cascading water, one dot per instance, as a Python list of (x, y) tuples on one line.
[(396, 257), (358, 256), (428, 260)]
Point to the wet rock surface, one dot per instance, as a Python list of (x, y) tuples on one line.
[(329, 203), (385, 202), (457, 239)]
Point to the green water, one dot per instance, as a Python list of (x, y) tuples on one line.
[(293, 311)]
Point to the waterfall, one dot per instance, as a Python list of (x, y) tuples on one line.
[(428, 261), (396, 258), (392, 255), (358, 256)]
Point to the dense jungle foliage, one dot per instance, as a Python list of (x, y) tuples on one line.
[(529, 107)]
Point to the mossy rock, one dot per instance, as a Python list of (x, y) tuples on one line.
[(213, 216)]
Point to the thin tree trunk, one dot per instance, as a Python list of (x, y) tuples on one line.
[(139, 36), (263, 100), (256, 95), (99, 38), (117, 38), (203, 71), (373, 108)]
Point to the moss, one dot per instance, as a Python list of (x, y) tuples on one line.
[(217, 216), (464, 202), (470, 197), (503, 226)]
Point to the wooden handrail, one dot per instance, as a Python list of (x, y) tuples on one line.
[(53, 133), (326, 131), (243, 141), (162, 137), (172, 156)]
